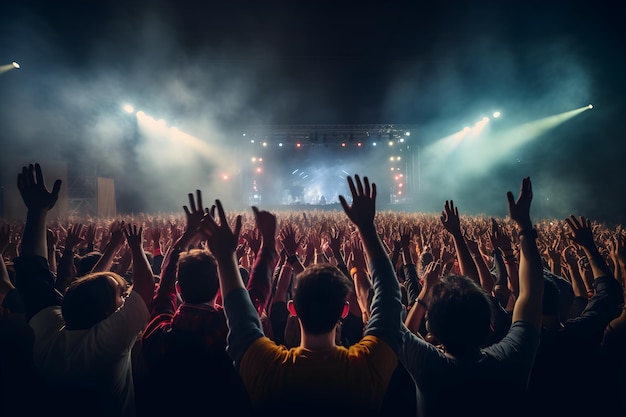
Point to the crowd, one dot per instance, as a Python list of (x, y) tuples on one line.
[(311, 313)]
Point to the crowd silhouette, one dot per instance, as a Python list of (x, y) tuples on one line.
[(354, 311)]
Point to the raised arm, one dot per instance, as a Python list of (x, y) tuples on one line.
[(452, 223), (115, 243), (38, 201), (528, 305), (143, 279), (386, 308), (34, 280), (259, 284)]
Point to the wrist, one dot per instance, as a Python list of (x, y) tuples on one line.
[(528, 232), (292, 259)]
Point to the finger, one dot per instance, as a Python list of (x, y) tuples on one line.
[(39, 175), (186, 210), (56, 188), (192, 203), (359, 184), (351, 186), (221, 213), (374, 191), (368, 190), (199, 199), (344, 204)]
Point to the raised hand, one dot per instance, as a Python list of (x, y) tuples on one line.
[(581, 231), (266, 224), (221, 239), (357, 255), (195, 214), (519, 210), (363, 208), (74, 238), (253, 239), (90, 234), (289, 241), (33, 189), (450, 218), (133, 235), (336, 238), (431, 275)]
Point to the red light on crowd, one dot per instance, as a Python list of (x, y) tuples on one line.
[(343, 144), (298, 145), (359, 144)]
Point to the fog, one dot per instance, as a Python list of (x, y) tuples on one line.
[(200, 91)]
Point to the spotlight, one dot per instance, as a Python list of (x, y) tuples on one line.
[(280, 144), (496, 114), (15, 65), (390, 143), (407, 133), (264, 143), (374, 144), (128, 108), (590, 106)]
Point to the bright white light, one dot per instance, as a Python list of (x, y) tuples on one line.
[(15, 64), (398, 158), (141, 114), (264, 143), (244, 134), (496, 114), (590, 106), (391, 158), (128, 108), (280, 144), (407, 134), (401, 140), (374, 144), (253, 159), (390, 143), (251, 140)]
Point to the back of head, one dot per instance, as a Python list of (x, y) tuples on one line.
[(319, 297), (197, 276), (459, 315), (91, 299)]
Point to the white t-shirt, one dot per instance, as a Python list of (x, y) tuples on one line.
[(95, 359)]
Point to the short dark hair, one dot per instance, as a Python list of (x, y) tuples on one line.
[(460, 314), (90, 299), (319, 297), (197, 276)]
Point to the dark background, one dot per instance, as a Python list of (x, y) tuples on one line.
[(217, 67)]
